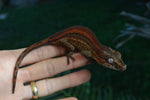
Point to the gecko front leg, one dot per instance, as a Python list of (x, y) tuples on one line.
[(70, 49)]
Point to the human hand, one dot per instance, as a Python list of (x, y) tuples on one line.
[(44, 66)]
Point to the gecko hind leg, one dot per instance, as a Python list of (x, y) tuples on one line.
[(69, 55)]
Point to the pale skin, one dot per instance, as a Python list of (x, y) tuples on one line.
[(45, 66)]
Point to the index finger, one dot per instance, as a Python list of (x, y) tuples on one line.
[(39, 54)]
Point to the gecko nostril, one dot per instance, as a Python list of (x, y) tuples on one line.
[(124, 68)]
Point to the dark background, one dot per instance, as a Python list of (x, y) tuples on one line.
[(25, 26)]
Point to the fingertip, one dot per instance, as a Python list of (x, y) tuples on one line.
[(80, 77), (86, 75)]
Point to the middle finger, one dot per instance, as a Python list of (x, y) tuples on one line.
[(51, 67)]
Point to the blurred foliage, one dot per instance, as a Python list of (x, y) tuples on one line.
[(26, 26)]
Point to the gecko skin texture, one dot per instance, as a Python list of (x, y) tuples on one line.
[(77, 39)]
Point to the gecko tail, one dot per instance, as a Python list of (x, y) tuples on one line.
[(21, 57), (13, 89)]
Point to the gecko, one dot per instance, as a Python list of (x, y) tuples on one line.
[(77, 39)]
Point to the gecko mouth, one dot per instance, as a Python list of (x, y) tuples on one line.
[(120, 67)]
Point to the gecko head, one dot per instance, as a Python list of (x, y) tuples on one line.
[(112, 59)]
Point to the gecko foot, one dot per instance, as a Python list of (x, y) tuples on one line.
[(69, 55)]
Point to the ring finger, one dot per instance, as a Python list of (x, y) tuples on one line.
[(50, 86)]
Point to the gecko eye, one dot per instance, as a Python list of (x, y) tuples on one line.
[(110, 60)]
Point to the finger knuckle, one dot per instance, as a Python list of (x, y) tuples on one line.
[(50, 86), (49, 68)]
